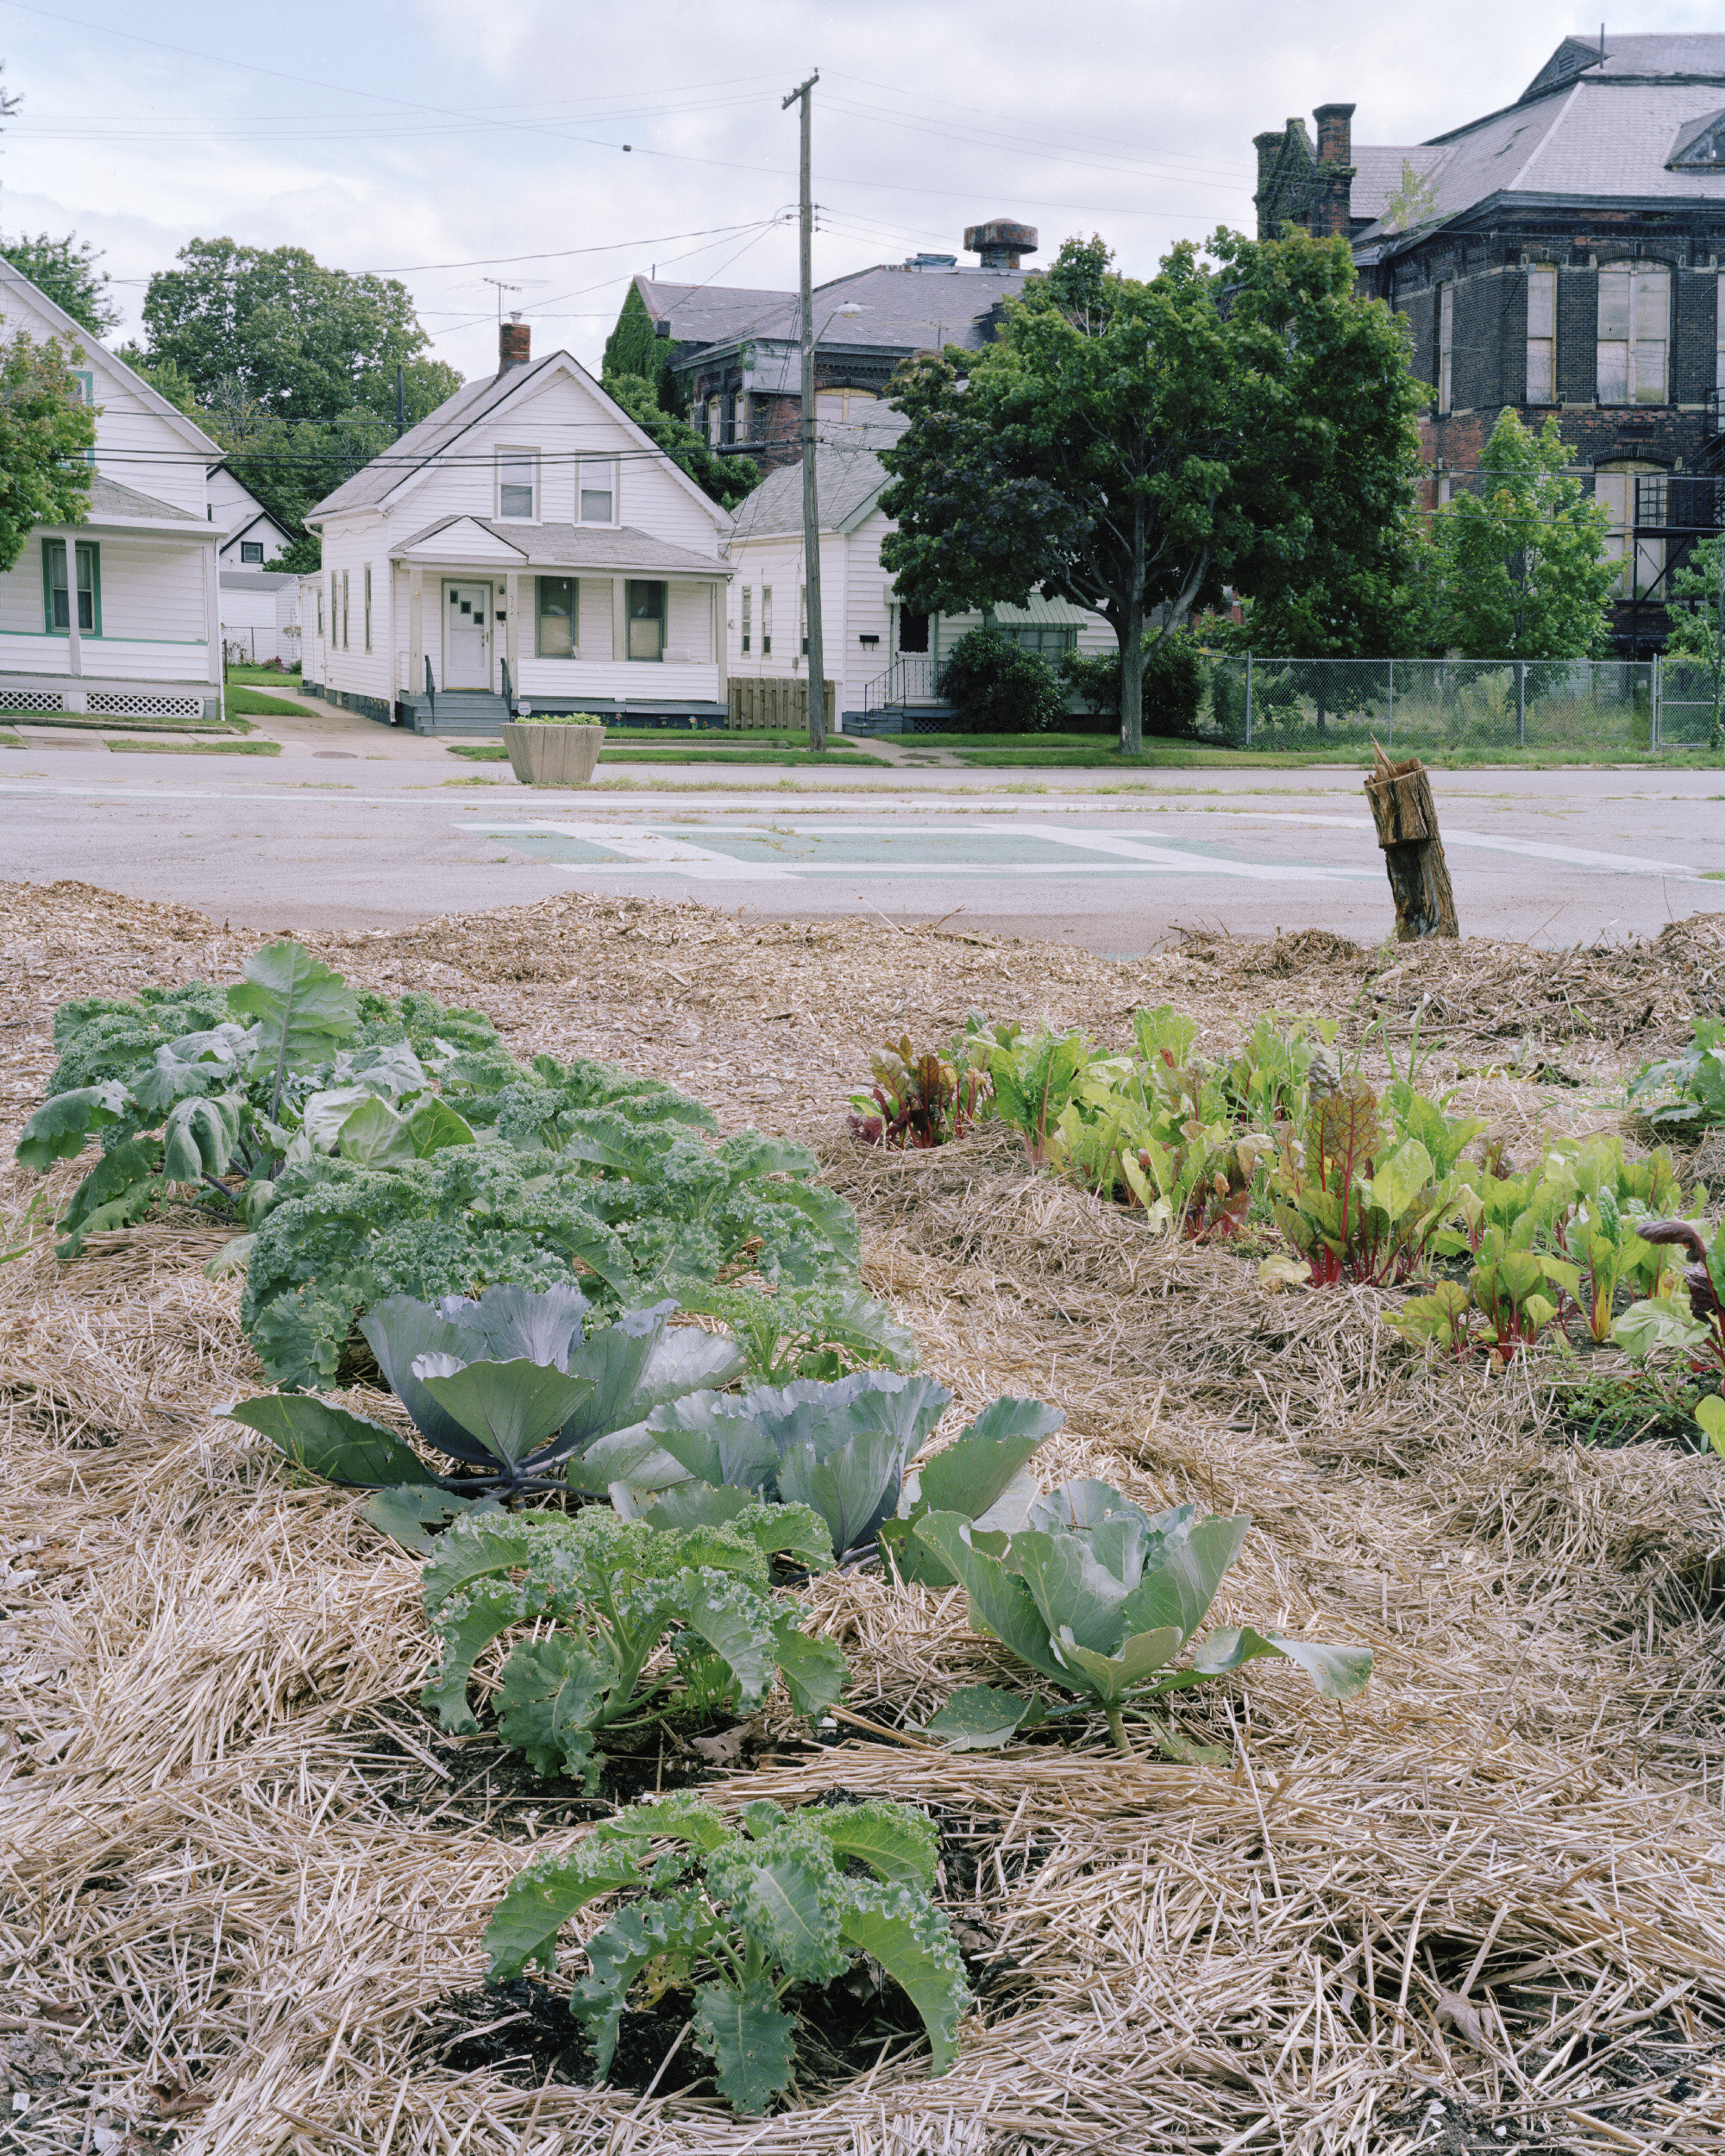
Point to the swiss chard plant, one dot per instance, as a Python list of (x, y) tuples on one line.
[(917, 1102), (1692, 1319), (602, 1596), (507, 1388), (747, 1918), (1102, 1599), (839, 1448), (1696, 1075), (1355, 1205)]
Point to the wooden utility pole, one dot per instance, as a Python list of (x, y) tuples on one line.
[(1406, 821), (817, 656)]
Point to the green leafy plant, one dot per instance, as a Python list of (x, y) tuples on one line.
[(746, 1917), (919, 1102), (996, 687), (601, 1593), (1099, 1597), (505, 1385), (1694, 1324), (1696, 1075), (820, 1332), (1268, 1079), (1034, 1079), (1355, 1207), (838, 1448), (982, 1476)]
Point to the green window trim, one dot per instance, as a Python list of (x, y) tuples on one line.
[(54, 599), (556, 618), (646, 611)]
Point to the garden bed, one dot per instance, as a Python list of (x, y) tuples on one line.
[(1476, 1907)]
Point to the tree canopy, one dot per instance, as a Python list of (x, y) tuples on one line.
[(1516, 569), (65, 270), (45, 427), (1698, 624), (1129, 444), (725, 479)]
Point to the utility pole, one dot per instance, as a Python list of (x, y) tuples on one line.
[(817, 656)]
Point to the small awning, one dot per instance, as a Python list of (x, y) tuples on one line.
[(1041, 613)]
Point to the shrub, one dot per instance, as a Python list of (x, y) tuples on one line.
[(1176, 674), (997, 687)]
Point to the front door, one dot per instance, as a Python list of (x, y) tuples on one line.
[(466, 636)]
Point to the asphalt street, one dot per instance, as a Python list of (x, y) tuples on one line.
[(353, 825)]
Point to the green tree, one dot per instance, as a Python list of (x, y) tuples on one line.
[(724, 479), (304, 343), (1414, 200), (1698, 624), (65, 270), (45, 427), (1517, 569), (303, 556), (1126, 444)]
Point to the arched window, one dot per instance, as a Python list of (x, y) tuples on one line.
[(1635, 333), (843, 403)]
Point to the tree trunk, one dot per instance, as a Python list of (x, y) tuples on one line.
[(1406, 821), (1131, 647)]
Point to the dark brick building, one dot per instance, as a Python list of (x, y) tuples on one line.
[(736, 355), (1564, 256)]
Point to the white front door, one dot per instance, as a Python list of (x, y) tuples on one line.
[(466, 636)]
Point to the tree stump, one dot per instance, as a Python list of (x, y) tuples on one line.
[(1406, 821)]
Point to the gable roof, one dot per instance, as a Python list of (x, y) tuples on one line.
[(848, 477), (605, 548), (1662, 56), (108, 498), (14, 280), (407, 459)]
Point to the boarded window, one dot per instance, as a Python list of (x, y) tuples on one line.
[(1635, 334), (558, 596), (1542, 336), (1643, 561), (843, 403), (597, 490), (518, 483), (1445, 343)]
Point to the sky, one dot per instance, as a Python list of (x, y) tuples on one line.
[(561, 146)]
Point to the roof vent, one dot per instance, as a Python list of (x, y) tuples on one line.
[(931, 261), (1001, 242)]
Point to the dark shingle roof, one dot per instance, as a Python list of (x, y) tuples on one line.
[(108, 498), (848, 475)]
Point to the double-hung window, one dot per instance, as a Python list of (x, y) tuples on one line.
[(766, 620), (1635, 333), (57, 600), (558, 596), (86, 395), (346, 616), (715, 421), (596, 486), (517, 484), (1542, 336), (748, 616), (368, 606), (1446, 316), (646, 619)]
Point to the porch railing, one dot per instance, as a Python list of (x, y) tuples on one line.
[(909, 679)]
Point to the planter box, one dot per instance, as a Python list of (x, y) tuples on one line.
[(552, 755)]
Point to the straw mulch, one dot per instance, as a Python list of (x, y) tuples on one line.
[(1478, 1908)]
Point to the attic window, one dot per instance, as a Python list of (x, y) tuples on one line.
[(518, 483), (252, 550), (1700, 146)]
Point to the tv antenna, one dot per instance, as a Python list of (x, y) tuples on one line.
[(503, 286)]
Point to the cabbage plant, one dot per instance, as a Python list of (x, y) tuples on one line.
[(507, 1387), (745, 1916), (1100, 1597)]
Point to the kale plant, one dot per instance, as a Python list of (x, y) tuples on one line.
[(602, 1594), (1100, 1597), (1696, 1075), (747, 1918)]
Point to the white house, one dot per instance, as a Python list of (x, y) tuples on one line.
[(526, 545), (251, 536), (118, 615), (882, 660), (260, 616)]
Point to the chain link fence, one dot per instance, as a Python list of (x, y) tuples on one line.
[(1421, 707)]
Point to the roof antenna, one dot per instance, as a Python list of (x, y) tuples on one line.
[(1602, 45)]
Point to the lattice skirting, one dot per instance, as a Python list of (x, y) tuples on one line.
[(131, 704), (31, 700)]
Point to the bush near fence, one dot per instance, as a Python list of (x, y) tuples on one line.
[(1424, 706)]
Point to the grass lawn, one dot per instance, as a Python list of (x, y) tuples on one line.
[(688, 749), (196, 748), (265, 677), (249, 703), (1093, 752)]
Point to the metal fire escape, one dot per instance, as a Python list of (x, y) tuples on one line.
[(1679, 509)]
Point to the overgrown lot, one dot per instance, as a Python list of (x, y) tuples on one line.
[(1477, 1905)]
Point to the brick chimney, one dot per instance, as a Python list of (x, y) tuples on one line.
[(1001, 242), (515, 343), (1333, 201)]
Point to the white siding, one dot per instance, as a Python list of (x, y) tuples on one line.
[(594, 623), (151, 594), (351, 544), (688, 622)]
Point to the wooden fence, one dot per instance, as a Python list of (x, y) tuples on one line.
[(758, 701)]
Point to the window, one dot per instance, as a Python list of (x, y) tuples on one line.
[(1542, 336), (368, 606), (748, 611), (1052, 642), (252, 550), (843, 403), (556, 633), (1446, 314), (912, 630), (57, 601), (802, 617), (1614, 486), (320, 610), (518, 483), (598, 488), (346, 615), (766, 620), (86, 393), (715, 422), (1719, 336), (646, 620), (1634, 331)]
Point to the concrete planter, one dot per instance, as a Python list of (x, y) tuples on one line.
[(552, 755)]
